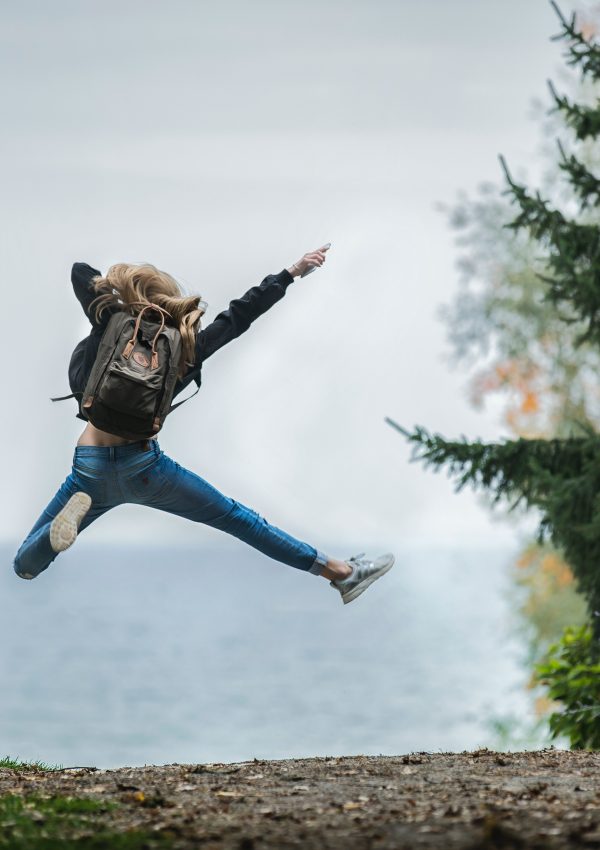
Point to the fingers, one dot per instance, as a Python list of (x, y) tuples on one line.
[(312, 258), (316, 257)]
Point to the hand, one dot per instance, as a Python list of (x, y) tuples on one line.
[(313, 258)]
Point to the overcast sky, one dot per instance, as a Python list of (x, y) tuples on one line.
[(221, 141)]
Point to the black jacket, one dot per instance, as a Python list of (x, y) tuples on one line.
[(228, 325)]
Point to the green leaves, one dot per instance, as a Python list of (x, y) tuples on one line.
[(571, 673)]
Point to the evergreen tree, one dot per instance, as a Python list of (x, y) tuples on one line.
[(559, 476), (516, 346)]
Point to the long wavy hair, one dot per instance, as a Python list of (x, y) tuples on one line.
[(131, 286)]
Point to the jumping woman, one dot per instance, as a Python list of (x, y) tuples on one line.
[(108, 470)]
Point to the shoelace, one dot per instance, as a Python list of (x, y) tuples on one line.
[(357, 557)]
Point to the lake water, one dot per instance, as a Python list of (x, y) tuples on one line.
[(130, 656)]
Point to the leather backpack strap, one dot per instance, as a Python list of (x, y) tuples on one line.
[(129, 346)]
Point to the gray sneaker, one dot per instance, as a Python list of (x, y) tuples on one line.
[(64, 526), (364, 572)]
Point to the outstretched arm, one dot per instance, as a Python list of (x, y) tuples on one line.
[(237, 318), (241, 312)]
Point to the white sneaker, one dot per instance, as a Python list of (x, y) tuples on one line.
[(364, 572), (64, 526)]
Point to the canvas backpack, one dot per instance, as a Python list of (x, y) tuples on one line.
[(132, 380)]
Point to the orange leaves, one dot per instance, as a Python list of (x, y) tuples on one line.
[(523, 380), (546, 574), (552, 601), (527, 558), (529, 403), (557, 570)]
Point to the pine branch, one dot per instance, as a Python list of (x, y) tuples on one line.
[(536, 216), (585, 185), (573, 259), (584, 120), (559, 477), (581, 52)]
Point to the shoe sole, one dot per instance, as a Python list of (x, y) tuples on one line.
[(64, 526), (360, 588)]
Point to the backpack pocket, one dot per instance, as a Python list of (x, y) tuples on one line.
[(128, 391)]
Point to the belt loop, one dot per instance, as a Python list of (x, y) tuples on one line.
[(112, 452)]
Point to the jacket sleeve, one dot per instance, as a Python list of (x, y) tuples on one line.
[(81, 278), (241, 312)]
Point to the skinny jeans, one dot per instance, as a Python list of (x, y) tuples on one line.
[(141, 473)]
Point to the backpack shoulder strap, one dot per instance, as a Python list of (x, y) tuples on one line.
[(173, 406), (72, 395)]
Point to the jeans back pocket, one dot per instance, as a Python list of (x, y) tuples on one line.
[(143, 479)]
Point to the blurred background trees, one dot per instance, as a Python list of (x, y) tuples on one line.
[(525, 324)]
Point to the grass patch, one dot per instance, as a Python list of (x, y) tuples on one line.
[(53, 823), (16, 764)]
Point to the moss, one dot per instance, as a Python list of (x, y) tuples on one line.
[(36, 822)]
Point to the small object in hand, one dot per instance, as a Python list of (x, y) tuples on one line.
[(311, 268)]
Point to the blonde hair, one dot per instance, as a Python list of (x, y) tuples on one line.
[(131, 286)]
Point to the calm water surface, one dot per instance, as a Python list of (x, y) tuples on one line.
[(130, 656)]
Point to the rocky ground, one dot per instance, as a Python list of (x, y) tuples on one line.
[(481, 799)]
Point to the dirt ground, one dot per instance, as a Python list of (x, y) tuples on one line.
[(482, 799)]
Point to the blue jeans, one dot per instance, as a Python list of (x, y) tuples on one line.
[(141, 473)]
